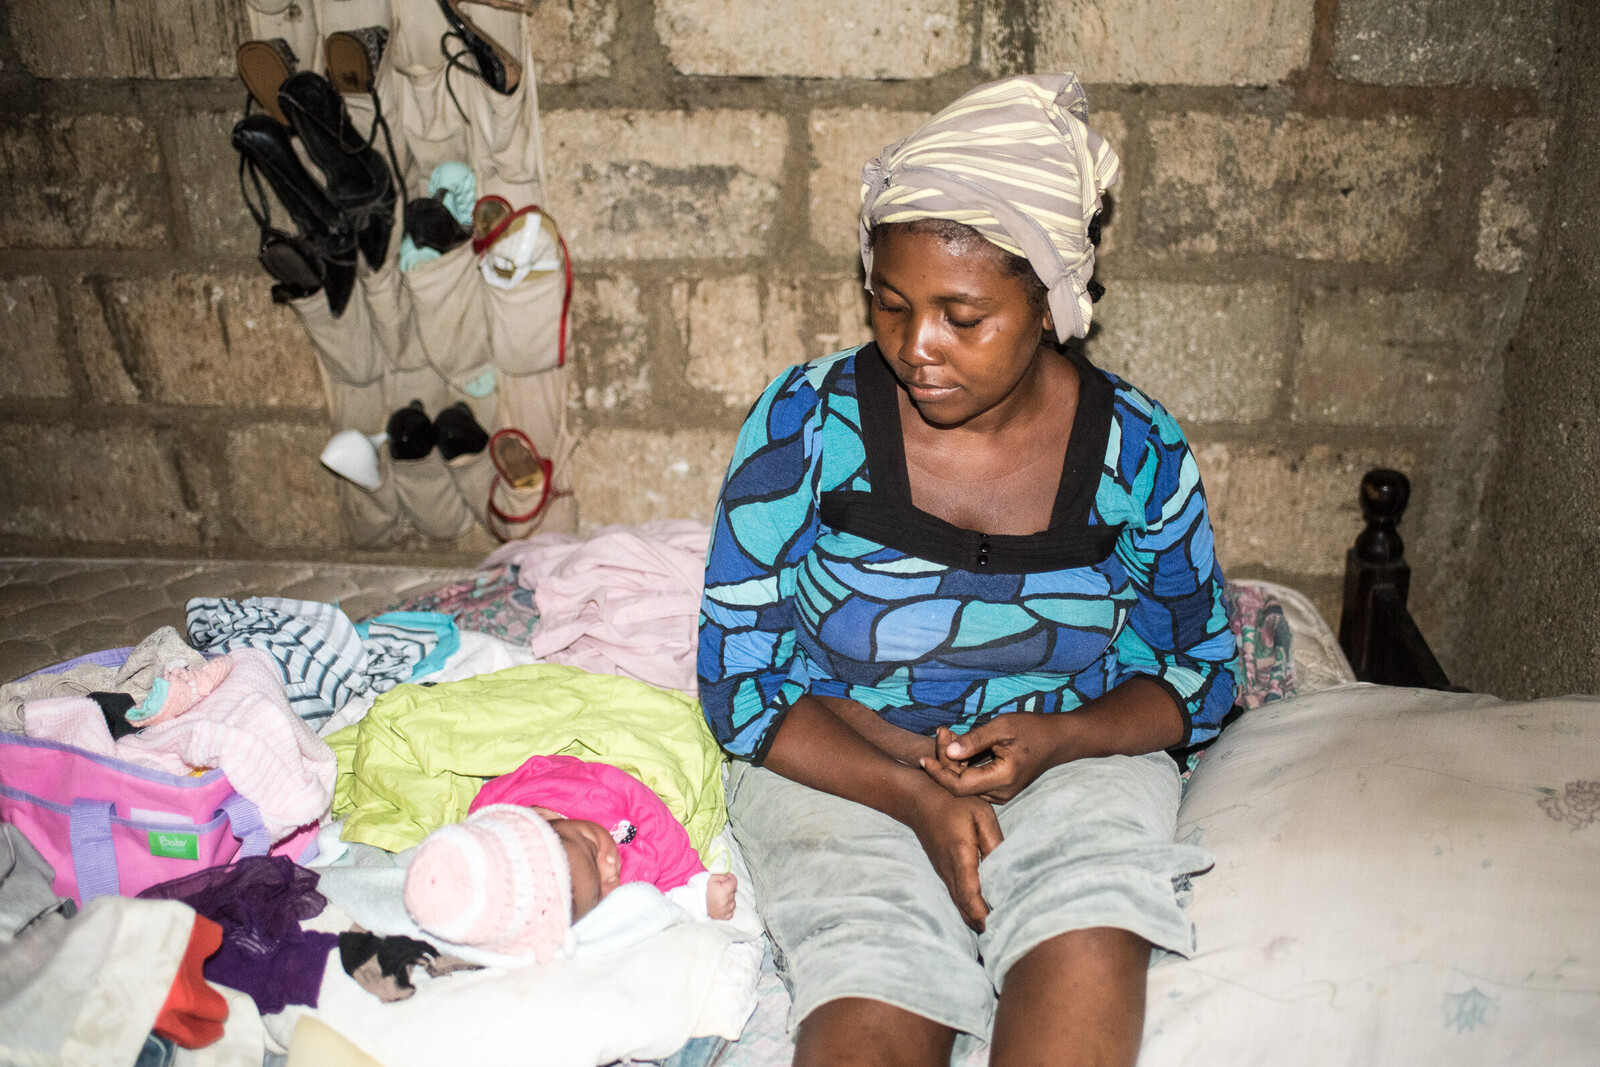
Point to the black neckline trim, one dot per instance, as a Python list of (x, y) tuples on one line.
[(886, 514)]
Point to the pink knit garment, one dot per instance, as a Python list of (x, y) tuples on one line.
[(659, 851), (498, 881), (185, 687)]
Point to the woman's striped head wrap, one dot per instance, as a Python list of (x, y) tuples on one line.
[(1016, 161)]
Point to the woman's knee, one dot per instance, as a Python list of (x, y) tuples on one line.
[(856, 1030), (1077, 998)]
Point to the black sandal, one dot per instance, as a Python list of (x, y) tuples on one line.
[(357, 177), (352, 60), (324, 252), (499, 69), (429, 224)]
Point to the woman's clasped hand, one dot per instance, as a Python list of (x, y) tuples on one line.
[(957, 832), (997, 760)]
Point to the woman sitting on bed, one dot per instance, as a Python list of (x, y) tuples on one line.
[(960, 599)]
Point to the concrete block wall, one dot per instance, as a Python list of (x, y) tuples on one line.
[(1317, 253), (1537, 570)]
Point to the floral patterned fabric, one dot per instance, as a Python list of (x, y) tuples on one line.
[(489, 602), (1578, 805), (1265, 669)]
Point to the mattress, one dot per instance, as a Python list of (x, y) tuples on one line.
[(54, 609)]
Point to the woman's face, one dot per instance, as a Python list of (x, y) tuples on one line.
[(957, 329)]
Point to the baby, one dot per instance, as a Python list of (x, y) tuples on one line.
[(542, 846)]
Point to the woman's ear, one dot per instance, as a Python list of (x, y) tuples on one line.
[(1049, 323)]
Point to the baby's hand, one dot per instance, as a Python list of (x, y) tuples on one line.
[(719, 895)]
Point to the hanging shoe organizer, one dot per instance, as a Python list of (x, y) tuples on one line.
[(440, 332)]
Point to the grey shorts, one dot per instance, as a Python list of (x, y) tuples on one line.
[(855, 909)]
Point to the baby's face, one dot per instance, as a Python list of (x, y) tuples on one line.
[(592, 855)]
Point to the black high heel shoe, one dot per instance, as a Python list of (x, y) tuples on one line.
[(411, 432), (429, 224), (498, 68), (357, 177), (325, 250), (458, 432)]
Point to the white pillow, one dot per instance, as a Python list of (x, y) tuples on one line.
[(1403, 877)]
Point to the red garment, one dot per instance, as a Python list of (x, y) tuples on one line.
[(193, 1013), (658, 851)]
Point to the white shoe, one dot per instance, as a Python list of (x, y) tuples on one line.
[(354, 455)]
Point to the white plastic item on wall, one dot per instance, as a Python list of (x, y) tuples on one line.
[(440, 333)]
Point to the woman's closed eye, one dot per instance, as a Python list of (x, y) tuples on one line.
[(954, 320)]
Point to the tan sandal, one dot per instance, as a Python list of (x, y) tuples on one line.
[(489, 215), (352, 57), (263, 67), (517, 460), (523, 483)]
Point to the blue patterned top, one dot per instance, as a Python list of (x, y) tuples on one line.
[(823, 578)]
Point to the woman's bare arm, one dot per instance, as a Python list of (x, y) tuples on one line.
[(902, 745)]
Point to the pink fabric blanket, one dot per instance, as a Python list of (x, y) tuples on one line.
[(624, 601)]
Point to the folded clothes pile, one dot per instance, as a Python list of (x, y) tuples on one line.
[(98, 986), (235, 937), (240, 723), (625, 600), (132, 672), (325, 659)]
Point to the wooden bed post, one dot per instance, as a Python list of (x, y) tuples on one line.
[(1376, 631)]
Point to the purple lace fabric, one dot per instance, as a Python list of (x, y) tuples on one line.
[(259, 903)]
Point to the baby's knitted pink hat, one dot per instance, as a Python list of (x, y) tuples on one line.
[(498, 881)]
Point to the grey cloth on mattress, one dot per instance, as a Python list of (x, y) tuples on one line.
[(855, 909), (25, 885)]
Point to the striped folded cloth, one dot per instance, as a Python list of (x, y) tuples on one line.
[(325, 658)]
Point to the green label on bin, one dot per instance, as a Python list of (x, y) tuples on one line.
[(174, 845)]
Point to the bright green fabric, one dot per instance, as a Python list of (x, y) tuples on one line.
[(422, 753)]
